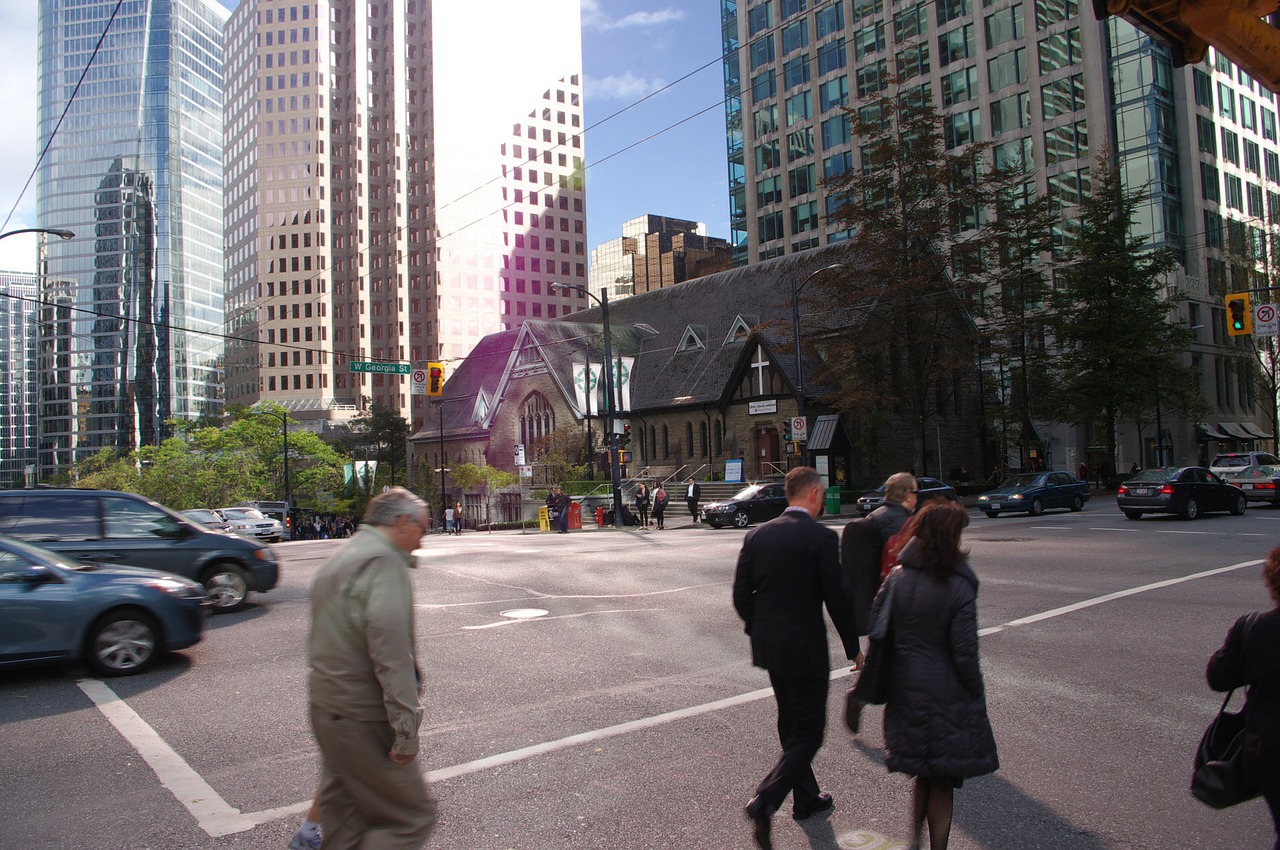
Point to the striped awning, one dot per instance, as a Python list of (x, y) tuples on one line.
[(1211, 432), (1234, 429), (1256, 431), (824, 429)]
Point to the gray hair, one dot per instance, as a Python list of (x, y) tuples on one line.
[(385, 508), (898, 487)]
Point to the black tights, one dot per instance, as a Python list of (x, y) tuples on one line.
[(932, 800)]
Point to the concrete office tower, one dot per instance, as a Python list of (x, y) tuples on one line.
[(404, 177), (19, 392), (134, 169), (655, 251), (1051, 88)]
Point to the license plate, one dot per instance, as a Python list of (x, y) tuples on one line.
[(1246, 486), (1141, 491), (994, 505)]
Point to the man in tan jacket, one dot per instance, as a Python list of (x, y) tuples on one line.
[(364, 684)]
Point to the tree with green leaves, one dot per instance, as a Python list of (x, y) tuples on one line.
[(899, 338), (1113, 326), (1013, 308), (491, 480)]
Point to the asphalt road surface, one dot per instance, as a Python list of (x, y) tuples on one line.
[(627, 715)]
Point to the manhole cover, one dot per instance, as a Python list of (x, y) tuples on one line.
[(524, 613)]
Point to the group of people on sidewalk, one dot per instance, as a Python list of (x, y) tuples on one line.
[(365, 682)]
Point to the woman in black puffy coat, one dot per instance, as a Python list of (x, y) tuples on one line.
[(935, 719), (1256, 663)]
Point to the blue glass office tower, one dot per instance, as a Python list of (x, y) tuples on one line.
[(132, 314)]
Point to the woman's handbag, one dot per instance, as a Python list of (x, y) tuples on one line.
[(873, 680), (1219, 780)]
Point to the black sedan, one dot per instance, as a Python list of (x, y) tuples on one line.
[(1259, 483), (930, 488), (1187, 491), (756, 503)]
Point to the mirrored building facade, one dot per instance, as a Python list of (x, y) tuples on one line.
[(130, 334), (18, 365)]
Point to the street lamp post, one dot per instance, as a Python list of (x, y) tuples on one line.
[(609, 401), (284, 425), (52, 231), (796, 286)]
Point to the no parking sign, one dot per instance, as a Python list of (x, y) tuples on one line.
[(419, 377)]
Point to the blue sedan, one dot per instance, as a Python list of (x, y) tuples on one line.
[(1033, 492), (117, 620)]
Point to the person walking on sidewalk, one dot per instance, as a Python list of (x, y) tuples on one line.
[(364, 684), (787, 570), (692, 493), (642, 505), (660, 500)]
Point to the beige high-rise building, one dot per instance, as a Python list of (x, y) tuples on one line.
[(403, 177)]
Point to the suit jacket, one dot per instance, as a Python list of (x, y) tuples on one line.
[(861, 549), (787, 569), (697, 492)]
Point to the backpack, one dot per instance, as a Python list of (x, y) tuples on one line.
[(889, 556)]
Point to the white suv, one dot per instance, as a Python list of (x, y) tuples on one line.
[(1233, 463)]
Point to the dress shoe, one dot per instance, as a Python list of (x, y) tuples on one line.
[(761, 824), (821, 803)]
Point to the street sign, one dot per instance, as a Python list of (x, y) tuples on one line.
[(419, 382), (800, 429), (1266, 320), (520, 454), (380, 368)]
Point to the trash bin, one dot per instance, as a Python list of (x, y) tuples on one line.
[(575, 515), (832, 506), (544, 519)]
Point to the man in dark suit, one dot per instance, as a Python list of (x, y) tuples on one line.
[(692, 492), (788, 568)]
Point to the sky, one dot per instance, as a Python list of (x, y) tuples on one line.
[(665, 51)]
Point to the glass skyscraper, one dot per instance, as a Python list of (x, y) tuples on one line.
[(132, 315), (18, 390)]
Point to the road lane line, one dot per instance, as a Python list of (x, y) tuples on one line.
[(214, 815), (1125, 530), (1051, 527), (1164, 531)]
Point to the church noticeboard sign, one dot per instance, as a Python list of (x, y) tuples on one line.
[(733, 471), (755, 408)]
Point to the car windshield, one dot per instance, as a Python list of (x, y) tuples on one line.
[(1160, 473), (748, 492), (242, 513), (201, 516), (1260, 472), (1017, 482), (1231, 461)]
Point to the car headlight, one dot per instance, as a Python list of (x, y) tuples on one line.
[(984, 498), (176, 587), (1016, 496)]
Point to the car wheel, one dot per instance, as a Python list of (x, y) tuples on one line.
[(122, 643), (993, 514), (741, 520), (1239, 507), (227, 586), (1077, 504), (1191, 509), (1133, 514), (1037, 507)]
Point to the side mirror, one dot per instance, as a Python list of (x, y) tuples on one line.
[(34, 574)]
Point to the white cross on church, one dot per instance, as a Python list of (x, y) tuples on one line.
[(759, 365)]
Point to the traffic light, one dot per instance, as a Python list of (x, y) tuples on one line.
[(624, 439), (1239, 315), (786, 430), (435, 379)]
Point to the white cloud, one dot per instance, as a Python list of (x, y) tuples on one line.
[(18, 145), (593, 17), (620, 87)]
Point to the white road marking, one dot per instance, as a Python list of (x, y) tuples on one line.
[(1050, 527), (214, 815), (1126, 530), (1164, 531), (217, 818)]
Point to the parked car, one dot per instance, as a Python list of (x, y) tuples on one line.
[(209, 519), (1034, 492), (930, 488), (755, 503), (1230, 463), (106, 526), (1187, 491), (117, 620), (251, 522), (1259, 483)]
